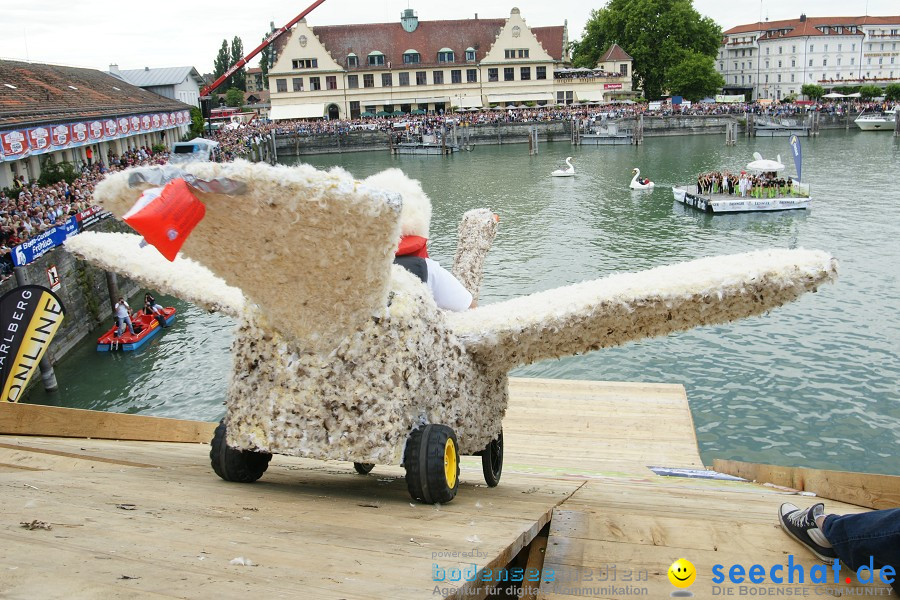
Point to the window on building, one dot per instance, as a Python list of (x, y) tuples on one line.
[(839, 61), (623, 69), (371, 108), (767, 64), (445, 55), (779, 78), (298, 84), (793, 49), (411, 57), (852, 60), (523, 53), (471, 75), (375, 59), (880, 60), (810, 62), (421, 78), (437, 77), (281, 85), (742, 64), (779, 64), (509, 53), (742, 79), (792, 78), (352, 81), (793, 62), (315, 84), (721, 67), (743, 53), (305, 63), (525, 73), (812, 47), (387, 80), (369, 80), (331, 82), (852, 47), (354, 109), (470, 54), (826, 48), (767, 79), (735, 80), (456, 76), (540, 72), (352, 61), (749, 78), (403, 78), (824, 62), (735, 66), (779, 49), (767, 50), (509, 74), (492, 74)]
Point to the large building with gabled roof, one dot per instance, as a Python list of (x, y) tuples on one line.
[(774, 59), (345, 71)]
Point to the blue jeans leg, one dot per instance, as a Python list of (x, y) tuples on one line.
[(874, 534)]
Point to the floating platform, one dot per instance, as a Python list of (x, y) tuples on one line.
[(734, 203), (149, 519), (779, 129), (423, 148), (591, 139)]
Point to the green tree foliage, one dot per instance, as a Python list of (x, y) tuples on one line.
[(870, 91), (812, 91), (695, 77), (239, 78), (892, 92), (54, 172), (234, 97), (222, 62), (266, 60), (658, 34), (196, 123)]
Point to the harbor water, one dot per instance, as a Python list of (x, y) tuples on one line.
[(814, 383)]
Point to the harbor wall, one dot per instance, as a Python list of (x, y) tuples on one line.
[(83, 292), (518, 133)]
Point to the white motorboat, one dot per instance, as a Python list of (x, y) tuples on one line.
[(877, 121)]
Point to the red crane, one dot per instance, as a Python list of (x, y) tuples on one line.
[(269, 39)]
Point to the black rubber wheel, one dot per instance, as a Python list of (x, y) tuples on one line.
[(241, 466), (431, 461), (492, 461), (363, 468)]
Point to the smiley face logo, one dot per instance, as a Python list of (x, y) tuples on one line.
[(682, 573)]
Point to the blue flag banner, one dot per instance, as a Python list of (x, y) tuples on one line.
[(798, 154)]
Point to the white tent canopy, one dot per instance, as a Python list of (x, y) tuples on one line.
[(297, 111)]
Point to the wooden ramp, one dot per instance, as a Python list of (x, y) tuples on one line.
[(132, 519)]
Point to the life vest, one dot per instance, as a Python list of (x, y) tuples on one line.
[(411, 254)]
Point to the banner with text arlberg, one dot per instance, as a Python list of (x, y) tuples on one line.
[(30, 315)]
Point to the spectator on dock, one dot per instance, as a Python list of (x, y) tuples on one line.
[(855, 539)]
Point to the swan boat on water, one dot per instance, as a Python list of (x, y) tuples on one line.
[(570, 172), (877, 121), (765, 193)]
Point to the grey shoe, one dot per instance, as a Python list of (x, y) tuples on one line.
[(801, 525)]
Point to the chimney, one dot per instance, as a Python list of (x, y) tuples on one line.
[(476, 16), (113, 68), (802, 17), (146, 68)]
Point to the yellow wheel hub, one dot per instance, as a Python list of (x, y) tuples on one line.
[(450, 463)]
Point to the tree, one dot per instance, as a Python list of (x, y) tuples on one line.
[(695, 77), (239, 77), (658, 34), (812, 91), (221, 64), (266, 58), (196, 123), (234, 97), (869, 91), (892, 92)]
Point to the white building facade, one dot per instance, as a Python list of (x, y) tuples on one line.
[(775, 59)]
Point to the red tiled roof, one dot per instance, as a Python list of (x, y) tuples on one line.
[(428, 38), (615, 53), (808, 27), (254, 71), (43, 93)]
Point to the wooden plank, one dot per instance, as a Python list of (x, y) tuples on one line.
[(870, 490), (535, 563), (33, 419)]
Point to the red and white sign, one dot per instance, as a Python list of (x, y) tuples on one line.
[(154, 121), (179, 117), (53, 276), (173, 118), (110, 128), (145, 123), (124, 127), (165, 119), (14, 143), (79, 132), (95, 130), (135, 123), (612, 86), (39, 138), (60, 135)]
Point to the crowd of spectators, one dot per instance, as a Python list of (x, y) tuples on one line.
[(28, 208)]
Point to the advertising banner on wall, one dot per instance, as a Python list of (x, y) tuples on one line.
[(30, 316), (31, 141), (39, 245)]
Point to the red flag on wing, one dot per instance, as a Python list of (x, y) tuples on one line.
[(166, 216)]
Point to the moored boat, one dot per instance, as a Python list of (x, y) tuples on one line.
[(877, 121), (145, 327)]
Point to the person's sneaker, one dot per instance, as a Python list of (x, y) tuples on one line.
[(801, 525)]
